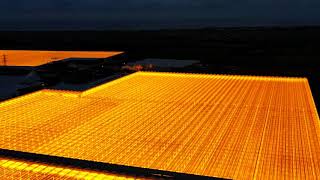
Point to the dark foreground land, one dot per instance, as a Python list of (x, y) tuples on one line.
[(254, 51)]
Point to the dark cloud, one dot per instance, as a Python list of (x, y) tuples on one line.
[(155, 13)]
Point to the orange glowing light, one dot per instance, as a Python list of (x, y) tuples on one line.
[(36, 58), (16, 169), (239, 127)]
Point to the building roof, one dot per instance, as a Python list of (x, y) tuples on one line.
[(166, 63), (238, 127), (37, 58)]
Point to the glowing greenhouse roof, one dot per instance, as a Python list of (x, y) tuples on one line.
[(17, 169), (37, 58), (238, 127)]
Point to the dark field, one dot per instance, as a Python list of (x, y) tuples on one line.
[(255, 51)]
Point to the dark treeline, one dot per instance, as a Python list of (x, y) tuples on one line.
[(252, 46)]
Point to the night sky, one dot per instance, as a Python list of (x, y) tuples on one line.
[(154, 14)]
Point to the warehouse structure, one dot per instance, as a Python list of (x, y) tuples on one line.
[(238, 127), (25, 71)]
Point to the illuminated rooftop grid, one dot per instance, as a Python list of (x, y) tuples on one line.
[(16, 169), (37, 58), (239, 127)]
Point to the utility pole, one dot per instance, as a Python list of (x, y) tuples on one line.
[(53, 59), (4, 60)]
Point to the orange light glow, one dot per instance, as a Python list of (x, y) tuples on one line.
[(239, 127), (36, 58), (14, 169)]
